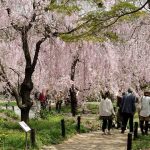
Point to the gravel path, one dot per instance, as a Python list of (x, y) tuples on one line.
[(93, 141)]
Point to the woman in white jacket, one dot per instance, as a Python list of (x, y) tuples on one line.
[(144, 113), (106, 113)]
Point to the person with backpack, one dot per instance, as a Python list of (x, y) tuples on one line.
[(144, 113)]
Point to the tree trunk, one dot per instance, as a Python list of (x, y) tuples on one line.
[(25, 114), (73, 101), (26, 88)]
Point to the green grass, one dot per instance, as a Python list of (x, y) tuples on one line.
[(11, 103), (48, 130), (9, 113), (93, 107), (142, 143)]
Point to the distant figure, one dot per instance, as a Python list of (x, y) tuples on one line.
[(48, 100), (106, 113), (119, 121), (119, 117), (36, 98), (59, 100), (128, 110), (144, 113), (42, 98)]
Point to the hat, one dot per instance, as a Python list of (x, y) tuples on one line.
[(129, 90)]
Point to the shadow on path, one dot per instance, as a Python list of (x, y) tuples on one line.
[(93, 141)]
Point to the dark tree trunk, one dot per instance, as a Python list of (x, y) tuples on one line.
[(26, 88), (72, 90), (25, 114), (73, 99), (23, 96)]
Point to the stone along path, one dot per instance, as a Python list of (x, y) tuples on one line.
[(93, 141)]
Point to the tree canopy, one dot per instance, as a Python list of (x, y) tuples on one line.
[(94, 19), (69, 20)]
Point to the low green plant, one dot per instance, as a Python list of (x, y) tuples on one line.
[(44, 114), (93, 108), (11, 114), (141, 143), (10, 103), (48, 130)]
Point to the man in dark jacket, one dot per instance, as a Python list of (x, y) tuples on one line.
[(128, 110)]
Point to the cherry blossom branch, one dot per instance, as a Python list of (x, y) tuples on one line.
[(9, 86)]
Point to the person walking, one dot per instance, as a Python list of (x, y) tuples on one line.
[(42, 98), (144, 113), (59, 101), (36, 98), (128, 109), (106, 113), (119, 117), (119, 98)]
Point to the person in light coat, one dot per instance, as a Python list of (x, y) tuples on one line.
[(106, 113), (144, 113)]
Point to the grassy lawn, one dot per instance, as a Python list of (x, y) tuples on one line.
[(142, 143), (48, 129), (10, 103)]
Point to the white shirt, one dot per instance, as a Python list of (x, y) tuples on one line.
[(106, 107), (145, 106)]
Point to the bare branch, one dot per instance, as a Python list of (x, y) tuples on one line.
[(31, 21), (127, 13), (25, 47), (16, 27), (73, 65), (72, 30), (10, 87), (37, 49), (117, 17), (18, 74)]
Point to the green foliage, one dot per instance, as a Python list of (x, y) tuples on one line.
[(97, 25), (48, 131), (9, 113), (44, 114), (11, 103), (122, 7), (112, 35), (93, 107), (141, 143), (12, 126), (62, 8), (12, 140), (92, 98)]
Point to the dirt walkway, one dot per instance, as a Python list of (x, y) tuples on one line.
[(93, 141)]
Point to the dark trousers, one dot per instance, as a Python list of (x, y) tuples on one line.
[(125, 118), (107, 123), (43, 105), (58, 106), (119, 119), (144, 126)]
